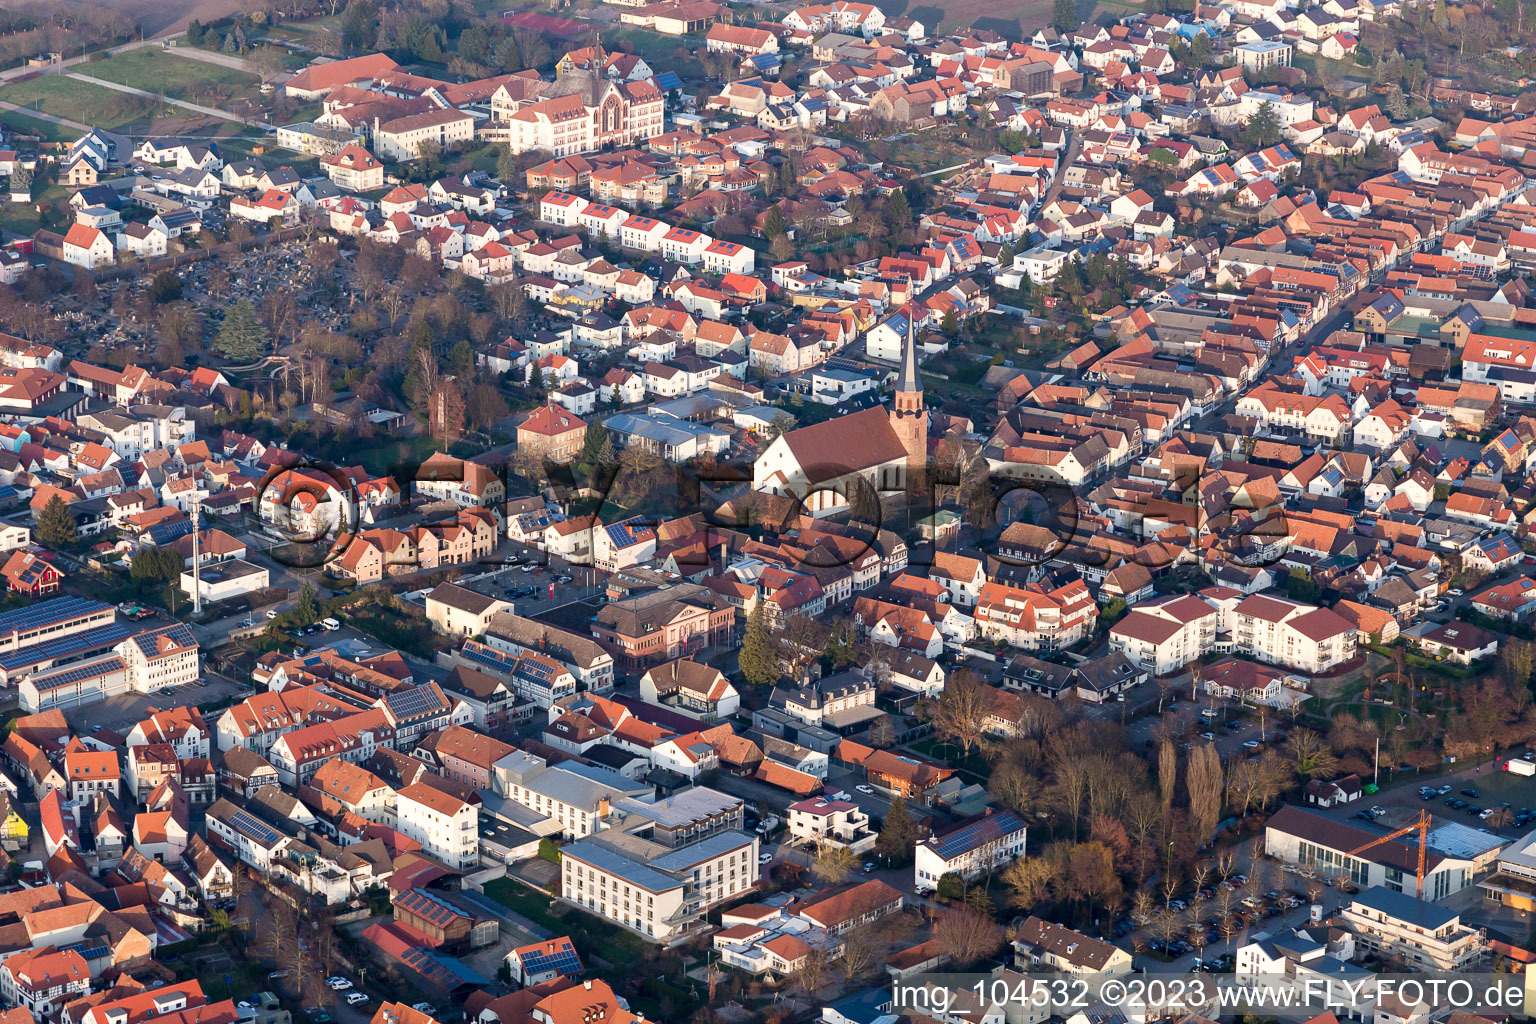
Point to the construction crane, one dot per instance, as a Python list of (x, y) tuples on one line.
[(1419, 825)]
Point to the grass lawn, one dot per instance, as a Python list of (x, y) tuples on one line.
[(950, 754), (182, 78), (25, 124), (620, 948), (78, 101)]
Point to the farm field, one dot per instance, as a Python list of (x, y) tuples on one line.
[(78, 101), (181, 78), (1012, 20)]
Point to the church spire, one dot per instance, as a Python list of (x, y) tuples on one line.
[(909, 380)]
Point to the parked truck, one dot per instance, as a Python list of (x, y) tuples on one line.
[(1520, 766)]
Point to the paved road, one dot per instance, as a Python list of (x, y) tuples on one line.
[(137, 44), (226, 60), (195, 107)]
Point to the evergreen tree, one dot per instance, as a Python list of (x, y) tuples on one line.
[(758, 658), (898, 832), (592, 443), (1064, 15), (55, 526), (461, 360), (773, 223), (306, 611), (242, 336), (1263, 128), (898, 212), (536, 379), (614, 401), (155, 567)]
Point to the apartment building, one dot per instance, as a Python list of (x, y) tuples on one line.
[(1423, 935), (1300, 636), (659, 893), (446, 827), (578, 804), (403, 138), (1046, 944), (1163, 636), (1033, 618), (831, 822)]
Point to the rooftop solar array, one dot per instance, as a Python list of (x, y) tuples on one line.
[(65, 646), (57, 610), (249, 825), (969, 837), (488, 656), (77, 673), (562, 960), (414, 703)]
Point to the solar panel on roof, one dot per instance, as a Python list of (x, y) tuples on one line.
[(963, 839), (68, 677), (253, 826), (563, 961), (411, 703), (64, 646), (56, 610)]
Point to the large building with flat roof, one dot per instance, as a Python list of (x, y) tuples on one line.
[(659, 892), (1323, 844)]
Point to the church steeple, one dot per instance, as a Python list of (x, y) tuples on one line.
[(909, 380), (908, 417)]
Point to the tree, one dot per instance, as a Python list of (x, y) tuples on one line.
[(155, 567), (592, 443), (898, 833), (951, 886), (965, 936), (1263, 128), (242, 336), (1064, 15), (536, 379), (1299, 586), (781, 424), (1310, 755), (165, 287), (306, 610), (1203, 780), (833, 864), (960, 710), (758, 658), (1029, 881), (55, 526)]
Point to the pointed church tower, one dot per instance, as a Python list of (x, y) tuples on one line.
[(908, 417)]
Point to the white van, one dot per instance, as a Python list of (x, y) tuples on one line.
[(330, 624)]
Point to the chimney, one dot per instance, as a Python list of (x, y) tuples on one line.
[(587, 984)]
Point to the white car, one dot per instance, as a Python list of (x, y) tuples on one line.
[(356, 999), (530, 568), (271, 613), (764, 858), (338, 983), (866, 790)]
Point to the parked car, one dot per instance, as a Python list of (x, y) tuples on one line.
[(865, 789), (1444, 789), (356, 999), (1470, 792), (1251, 744)]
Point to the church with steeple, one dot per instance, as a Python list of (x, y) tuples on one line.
[(582, 111), (881, 446), (908, 417)]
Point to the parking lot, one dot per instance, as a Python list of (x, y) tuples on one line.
[(120, 713)]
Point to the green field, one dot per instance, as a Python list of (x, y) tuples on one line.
[(182, 78), (25, 124), (78, 101)]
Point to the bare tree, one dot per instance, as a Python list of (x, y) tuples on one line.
[(1310, 756), (833, 863), (860, 948), (965, 936), (1167, 771), (960, 710), (1203, 780)]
